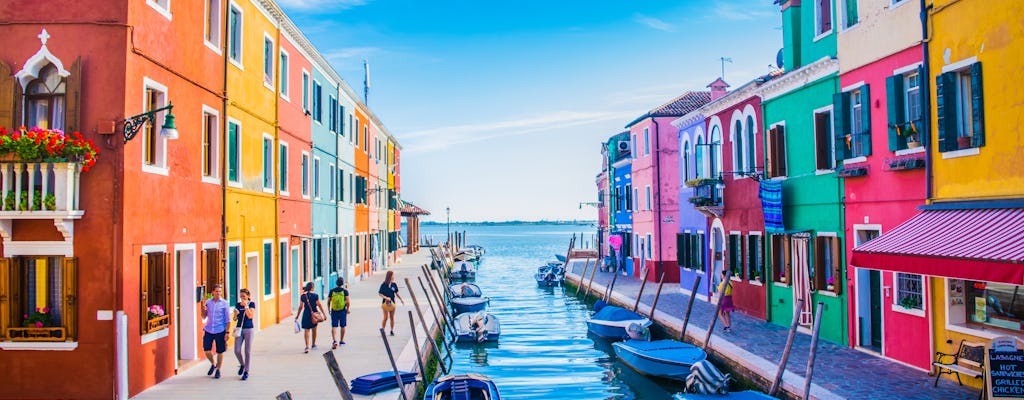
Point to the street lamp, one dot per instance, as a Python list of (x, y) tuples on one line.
[(134, 123), (448, 212)]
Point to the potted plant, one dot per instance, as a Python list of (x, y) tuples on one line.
[(40, 318), (913, 140), (831, 282), (47, 145), (963, 142), (909, 302)]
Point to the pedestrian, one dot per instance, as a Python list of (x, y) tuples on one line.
[(312, 313), (338, 299), (217, 312), (725, 312), (387, 292), (245, 310)]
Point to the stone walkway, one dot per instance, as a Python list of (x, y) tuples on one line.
[(839, 371), (280, 365)]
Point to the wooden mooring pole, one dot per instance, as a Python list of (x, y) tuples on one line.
[(661, 281), (583, 275), (611, 288), (785, 352), (814, 351), (689, 307), (718, 306), (419, 311), (339, 379), (643, 283), (591, 283), (416, 345), (443, 318), (394, 366)]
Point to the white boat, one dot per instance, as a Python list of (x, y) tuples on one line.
[(477, 327)]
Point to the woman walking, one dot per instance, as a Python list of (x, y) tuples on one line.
[(245, 310), (725, 312), (312, 313), (387, 292)]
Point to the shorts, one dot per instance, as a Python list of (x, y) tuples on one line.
[(339, 319), (727, 304), (219, 338)]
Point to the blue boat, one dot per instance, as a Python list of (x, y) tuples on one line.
[(560, 257), (469, 304), (463, 270), (477, 327), (744, 395), (462, 387), (661, 358), (465, 289), (610, 322)]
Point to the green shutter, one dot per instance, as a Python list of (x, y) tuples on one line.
[(977, 106), (945, 88), (840, 106), (894, 99), (865, 137), (232, 152)]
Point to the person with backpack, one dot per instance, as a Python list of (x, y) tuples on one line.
[(725, 312), (339, 312)]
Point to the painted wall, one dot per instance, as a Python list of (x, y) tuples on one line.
[(883, 29), (691, 220), (346, 161), (362, 211), (658, 170), (623, 218), (325, 149), (802, 45)]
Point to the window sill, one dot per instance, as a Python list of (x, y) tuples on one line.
[(898, 4), (39, 346), (160, 9), (973, 151), (160, 334), (153, 169), (284, 193), (908, 311), (214, 47), (233, 184), (268, 85), (822, 35), (269, 190), (855, 160), (780, 284), (849, 28), (285, 97), (755, 283), (826, 293), (905, 152), (211, 179), (824, 171), (236, 63), (983, 333)]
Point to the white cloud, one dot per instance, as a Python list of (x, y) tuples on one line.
[(733, 11), (653, 23), (346, 54), (320, 5)]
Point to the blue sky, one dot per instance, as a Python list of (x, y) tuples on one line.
[(501, 107)]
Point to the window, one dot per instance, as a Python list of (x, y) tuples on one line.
[(305, 174), (825, 273), (822, 17), (782, 269), (234, 152), (233, 270), (903, 98), (284, 74), (161, 6), (268, 62), (823, 145), (212, 25), (647, 189), (154, 145), (355, 133), (636, 199), (210, 268), (235, 35), (332, 114), (282, 167), (686, 156), (699, 159), (736, 255), (987, 305), (751, 145), (305, 92), (330, 171), (44, 283), (737, 146), (352, 122), (629, 197), (45, 100), (755, 258), (850, 17), (909, 291), (341, 185), (650, 244), (341, 119), (268, 162), (282, 265), (715, 142), (268, 270), (316, 178), (317, 102), (211, 139), (960, 109), (853, 123), (647, 142), (366, 138), (634, 151), (155, 285)]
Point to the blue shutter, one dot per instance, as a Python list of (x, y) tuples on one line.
[(894, 101), (840, 107), (945, 89), (977, 106), (865, 137)]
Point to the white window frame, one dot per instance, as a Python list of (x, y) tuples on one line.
[(238, 183), (750, 146), (650, 250), (268, 56), (315, 177), (160, 166), (261, 274), (647, 192), (306, 92), (307, 176), (647, 141), (332, 189), (841, 15), (636, 198), (284, 73), (832, 134), (764, 256), (267, 139), (215, 138), (241, 34), (922, 279), (332, 113), (817, 21), (283, 178), (217, 31), (162, 7), (313, 83), (738, 152), (284, 285), (634, 153)]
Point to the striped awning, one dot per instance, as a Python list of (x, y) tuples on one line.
[(984, 244)]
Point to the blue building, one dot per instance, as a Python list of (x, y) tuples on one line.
[(695, 162), (622, 201)]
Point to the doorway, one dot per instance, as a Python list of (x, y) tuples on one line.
[(869, 308), (252, 273), (802, 282), (295, 276), (717, 262), (185, 305)]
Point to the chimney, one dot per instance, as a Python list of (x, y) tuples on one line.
[(718, 89)]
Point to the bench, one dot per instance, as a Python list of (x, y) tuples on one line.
[(968, 360)]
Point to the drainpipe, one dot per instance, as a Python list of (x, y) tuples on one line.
[(926, 106), (657, 187), (121, 323), (223, 154)]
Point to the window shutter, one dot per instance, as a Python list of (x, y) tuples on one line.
[(202, 278), (73, 96), (894, 102), (840, 111), (781, 141), (144, 291), (945, 103), (837, 266), (865, 137), (769, 167), (7, 100), (786, 260), (168, 285), (817, 269), (69, 317), (6, 305), (821, 141), (977, 106)]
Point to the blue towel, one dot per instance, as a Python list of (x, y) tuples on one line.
[(770, 194)]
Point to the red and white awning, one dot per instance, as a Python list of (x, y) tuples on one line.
[(976, 244)]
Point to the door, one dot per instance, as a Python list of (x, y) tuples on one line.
[(802, 282), (252, 273), (876, 309), (717, 243), (186, 315), (295, 275)]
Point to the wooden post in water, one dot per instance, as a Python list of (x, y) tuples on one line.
[(394, 367), (445, 328), (689, 307), (611, 288), (643, 283), (339, 379), (785, 352), (442, 301), (814, 351), (583, 275), (718, 306), (419, 311), (416, 345), (591, 283), (657, 294)]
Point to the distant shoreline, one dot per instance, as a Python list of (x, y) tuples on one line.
[(496, 223)]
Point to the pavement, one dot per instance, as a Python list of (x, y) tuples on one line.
[(279, 364), (756, 346)]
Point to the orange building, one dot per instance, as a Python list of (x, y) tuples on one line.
[(362, 164)]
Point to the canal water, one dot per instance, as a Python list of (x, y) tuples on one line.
[(544, 351)]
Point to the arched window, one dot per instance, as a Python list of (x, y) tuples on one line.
[(716, 152), (45, 100), (737, 145), (751, 145), (686, 156), (699, 159)]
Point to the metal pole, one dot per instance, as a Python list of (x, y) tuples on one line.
[(583, 275), (657, 294), (718, 306), (394, 367), (639, 295), (814, 351), (689, 307), (785, 352), (416, 345)]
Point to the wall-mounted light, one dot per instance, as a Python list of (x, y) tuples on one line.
[(134, 123)]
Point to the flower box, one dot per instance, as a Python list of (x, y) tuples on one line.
[(45, 334), (157, 323)]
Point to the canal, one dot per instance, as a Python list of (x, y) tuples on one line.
[(544, 351)]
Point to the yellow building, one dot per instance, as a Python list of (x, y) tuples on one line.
[(250, 141)]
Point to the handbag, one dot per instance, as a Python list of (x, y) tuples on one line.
[(388, 306), (238, 329), (315, 315)]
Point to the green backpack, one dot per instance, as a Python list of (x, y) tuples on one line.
[(337, 301)]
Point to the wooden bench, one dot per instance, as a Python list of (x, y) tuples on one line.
[(968, 360)]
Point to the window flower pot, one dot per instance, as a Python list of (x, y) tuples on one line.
[(45, 334), (913, 143), (963, 142)]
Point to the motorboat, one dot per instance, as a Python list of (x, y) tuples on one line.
[(610, 322), (666, 358), (477, 327), (552, 274), (465, 289), (469, 304), (463, 270), (462, 387), (706, 382)]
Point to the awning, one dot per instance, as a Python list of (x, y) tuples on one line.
[(977, 244)]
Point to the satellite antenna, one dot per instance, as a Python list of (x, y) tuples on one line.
[(725, 60), (778, 59)]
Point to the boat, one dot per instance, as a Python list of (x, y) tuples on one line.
[(466, 255), (744, 395), (465, 289), (610, 322), (666, 358), (560, 257), (463, 270), (552, 274), (478, 249), (469, 304), (462, 387), (477, 327)]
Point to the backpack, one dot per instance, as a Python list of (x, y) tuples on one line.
[(337, 301)]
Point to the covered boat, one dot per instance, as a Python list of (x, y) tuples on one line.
[(465, 289), (462, 387), (610, 322), (469, 304), (463, 270), (744, 395), (477, 327), (669, 359)]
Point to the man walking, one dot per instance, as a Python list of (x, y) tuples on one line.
[(339, 312), (217, 313)]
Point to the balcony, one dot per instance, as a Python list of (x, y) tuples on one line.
[(707, 196), (39, 190)]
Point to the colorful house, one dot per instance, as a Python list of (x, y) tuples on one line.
[(655, 173), (362, 211), (806, 262), (881, 109), (691, 238), (324, 175), (346, 181), (621, 188)]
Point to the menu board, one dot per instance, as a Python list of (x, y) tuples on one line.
[(1006, 371)]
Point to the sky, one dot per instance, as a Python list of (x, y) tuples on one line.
[(501, 107)]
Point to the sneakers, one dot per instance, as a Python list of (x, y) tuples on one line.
[(727, 329), (212, 368), (307, 350), (241, 368), (216, 375), (245, 376), (392, 333), (341, 342), (334, 345), (313, 348)]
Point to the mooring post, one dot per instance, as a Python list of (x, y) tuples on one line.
[(611, 288), (583, 275), (442, 305), (445, 328), (591, 283), (657, 294), (785, 352), (689, 307), (416, 345), (718, 306), (814, 351), (643, 282), (339, 379), (416, 303), (394, 366)]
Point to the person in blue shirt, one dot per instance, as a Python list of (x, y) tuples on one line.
[(245, 311), (217, 312)]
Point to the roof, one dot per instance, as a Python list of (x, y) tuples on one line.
[(677, 107), (411, 209)]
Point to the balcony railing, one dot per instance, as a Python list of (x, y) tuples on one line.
[(36, 190), (706, 192)]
